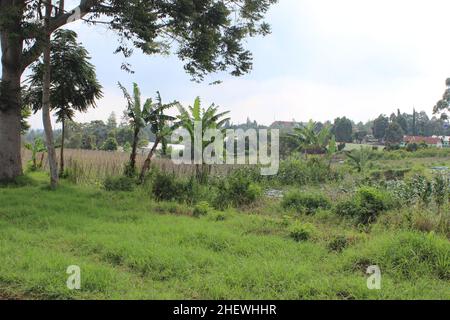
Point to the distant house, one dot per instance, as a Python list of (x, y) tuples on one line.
[(429, 141), (446, 142)]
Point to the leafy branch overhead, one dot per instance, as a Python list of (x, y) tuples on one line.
[(207, 35)]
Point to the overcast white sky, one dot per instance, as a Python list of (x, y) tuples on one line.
[(324, 59)]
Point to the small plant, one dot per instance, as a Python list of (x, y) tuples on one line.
[(119, 184), (441, 192), (201, 209), (38, 146), (305, 202), (358, 158), (338, 243), (164, 187), (365, 206), (302, 231), (167, 187), (236, 190)]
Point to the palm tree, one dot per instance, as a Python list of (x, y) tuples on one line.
[(209, 118), (140, 116), (314, 141), (74, 84)]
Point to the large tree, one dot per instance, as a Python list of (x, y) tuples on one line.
[(380, 126), (343, 129), (443, 105), (208, 36), (394, 133), (74, 84)]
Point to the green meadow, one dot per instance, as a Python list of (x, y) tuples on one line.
[(129, 246)]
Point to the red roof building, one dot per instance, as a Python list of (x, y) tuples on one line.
[(432, 141)]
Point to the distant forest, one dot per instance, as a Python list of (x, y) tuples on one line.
[(114, 133)]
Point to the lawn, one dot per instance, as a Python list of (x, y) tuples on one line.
[(129, 246)]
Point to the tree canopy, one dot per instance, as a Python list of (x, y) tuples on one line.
[(207, 35)]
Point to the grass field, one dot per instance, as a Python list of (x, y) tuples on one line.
[(129, 246)]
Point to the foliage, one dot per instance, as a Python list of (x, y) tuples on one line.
[(140, 116), (36, 147), (302, 231), (358, 158), (343, 130), (167, 187), (121, 183), (74, 84), (443, 106), (338, 243), (311, 139), (365, 206), (441, 190), (236, 190), (294, 171), (201, 209), (110, 144), (394, 133), (209, 119), (380, 126), (305, 202)]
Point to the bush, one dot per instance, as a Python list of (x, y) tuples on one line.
[(302, 172), (167, 187), (201, 209), (236, 190), (302, 231), (366, 205), (338, 243), (305, 202), (119, 184)]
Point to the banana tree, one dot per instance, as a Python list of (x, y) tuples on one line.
[(358, 158), (210, 119), (161, 125), (312, 141), (38, 146), (138, 116)]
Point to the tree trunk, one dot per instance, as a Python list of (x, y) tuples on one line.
[(46, 105), (63, 134), (134, 150), (10, 103), (148, 161), (10, 158)]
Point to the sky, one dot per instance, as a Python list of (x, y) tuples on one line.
[(324, 59)]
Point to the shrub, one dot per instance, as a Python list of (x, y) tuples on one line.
[(366, 205), (201, 209), (164, 187), (302, 231), (441, 190), (167, 187), (236, 190), (302, 172), (338, 243), (119, 184), (305, 202)]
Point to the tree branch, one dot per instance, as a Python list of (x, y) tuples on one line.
[(77, 13)]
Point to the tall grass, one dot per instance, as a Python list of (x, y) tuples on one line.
[(94, 166)]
